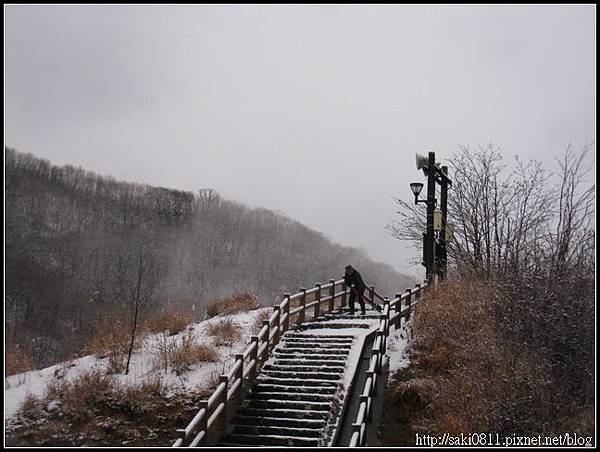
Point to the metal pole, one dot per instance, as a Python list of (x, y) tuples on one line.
[(444, 207), (429, 252)]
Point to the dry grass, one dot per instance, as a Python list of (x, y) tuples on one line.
[(84, 391), (225, 331), (111, 339), (238, 302), (93, 390), (174, 321), (96, 410), (260, 318), (16, 360), (138, 398), (460, 371), (181, 354), (213, 380), (30, 405)]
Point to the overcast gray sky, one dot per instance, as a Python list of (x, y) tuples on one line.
[(314, 111)]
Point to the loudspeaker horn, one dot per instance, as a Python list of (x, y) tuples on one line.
[(422, 161)]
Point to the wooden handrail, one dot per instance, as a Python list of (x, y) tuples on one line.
[(246, 365), (392, 310)]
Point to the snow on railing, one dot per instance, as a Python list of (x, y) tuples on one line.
[(392, 315), (213, 413)]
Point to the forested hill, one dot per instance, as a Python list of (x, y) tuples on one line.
[(80, 246)]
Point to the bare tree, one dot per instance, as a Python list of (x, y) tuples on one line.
[(531, 234), (141, 285)]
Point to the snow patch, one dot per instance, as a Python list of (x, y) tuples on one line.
[(398, 348), (18, 387)]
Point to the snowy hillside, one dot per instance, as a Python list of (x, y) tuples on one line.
[(18, 387)]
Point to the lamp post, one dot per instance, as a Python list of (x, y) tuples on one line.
[(443, 256), (434, 175)]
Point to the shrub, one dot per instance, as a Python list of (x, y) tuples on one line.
[(173, 320), (83, 392), (138, 398), (213, 380), (260, 318), (30, 406), (91, 391), (460, 371), (111, 339), (16, 360), (225, 331), (188, 353), (181, 353), (238, 302)]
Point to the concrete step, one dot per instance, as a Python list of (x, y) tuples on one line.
[(300, 375), (272, 440), (306, 344), (315, 343), (288, 404), (262, 387), (309, 362), (312, 356), (302, 368), (296, 397), (283, 413), (321, 340), (265, 379), (311, 351), (340, 325), (371, 314), (276, 430), (323, 336), (284, 422)]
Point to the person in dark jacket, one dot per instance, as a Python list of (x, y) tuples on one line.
[(357, 287)]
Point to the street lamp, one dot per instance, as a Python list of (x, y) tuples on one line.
[(416, 188), (434, 175)]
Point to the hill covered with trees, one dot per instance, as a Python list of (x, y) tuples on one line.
[(80, 246)]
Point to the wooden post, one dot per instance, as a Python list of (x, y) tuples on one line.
[(240, 375), (397, 310), (364, 398), (302, 313), (240, 372), (254, 357), (223, 418), (408, 303), (386, 309), (373, 382), (267, 340), (286, 322), (344, 294), (380, 351), (202, 405), (332, 295), (277, 334), (372, 293), (180, 433), (317, 310), (383, 317), (356, 429)]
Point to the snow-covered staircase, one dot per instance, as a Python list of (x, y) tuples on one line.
[(312, 384), (297, 398)]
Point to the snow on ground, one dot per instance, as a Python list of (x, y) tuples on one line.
[(398, 348), (17, 387)]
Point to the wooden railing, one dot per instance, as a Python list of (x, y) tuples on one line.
[(392, 314), (213, 414)]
